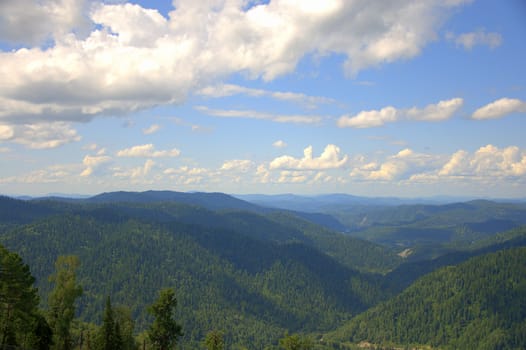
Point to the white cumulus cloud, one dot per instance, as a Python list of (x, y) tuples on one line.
[(331, 158), (435, 112), (487, 162), (397, 167), (369, 119), (500, 108), (93, 162)]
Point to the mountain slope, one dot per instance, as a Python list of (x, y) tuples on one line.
[(480, 304), (259, 277), (212, 201)]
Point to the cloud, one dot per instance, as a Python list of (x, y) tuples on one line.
[(293, 177), (456, 164), (472, 39), (248, 114), (369, 119), (442, 110), (137, 173), (487, 162), (241, 165), (147, 151), (185, 175), (41, 136), (52, 174), (396, 167), (185, 170), (32, 22), (436, 112), (75, 76), (152, 129), (331, 158), (223, 90), (499, 109), (93, 162), (6, 132), (90, 147), (280, 144), (262, 174)]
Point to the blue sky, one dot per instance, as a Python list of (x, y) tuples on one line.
[(398, 98)]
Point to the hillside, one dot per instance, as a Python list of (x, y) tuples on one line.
[(261, 275), (479, 304)]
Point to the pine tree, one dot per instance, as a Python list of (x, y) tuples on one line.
[(62, 300), (164, 331), (18, 299), (110, 338)]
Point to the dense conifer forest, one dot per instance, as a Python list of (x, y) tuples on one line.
[(118, 270)]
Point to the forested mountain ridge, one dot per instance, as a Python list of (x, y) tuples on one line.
[(426, 228), (261, 274), (479, 304)]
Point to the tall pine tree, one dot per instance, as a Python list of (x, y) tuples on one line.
[(165, 330), (110, 333), (62, 300), (21, 324)]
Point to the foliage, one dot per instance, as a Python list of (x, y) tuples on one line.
[(62, 300), (296, 342), (165, 330), (110, 333), (21, 324), (214, 340), (478, 304)]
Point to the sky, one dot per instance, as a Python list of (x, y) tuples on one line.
[(372, 98)]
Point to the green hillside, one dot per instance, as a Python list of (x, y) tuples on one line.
[(252, 276), (479, 304)]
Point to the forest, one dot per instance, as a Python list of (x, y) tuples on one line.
[(208, 271)]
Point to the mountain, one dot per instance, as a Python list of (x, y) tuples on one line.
[(479, 304), (213, 201), (16, 211), (256, 276)]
